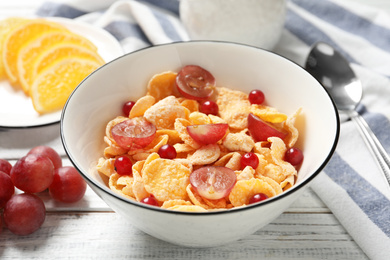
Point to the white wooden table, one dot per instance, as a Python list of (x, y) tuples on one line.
[(89, 229)]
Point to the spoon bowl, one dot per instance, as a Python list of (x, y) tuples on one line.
[(333, 71)]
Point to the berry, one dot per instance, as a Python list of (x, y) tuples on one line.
[(209, 107), (294, 156), (257, 198), (167, 152), (249, 159), (256, 97), (127, 107), (123, 165), (151, 200)]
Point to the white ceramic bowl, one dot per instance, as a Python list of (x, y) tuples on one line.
[(287, 87)]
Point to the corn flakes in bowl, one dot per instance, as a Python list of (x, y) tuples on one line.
[(217, 141)]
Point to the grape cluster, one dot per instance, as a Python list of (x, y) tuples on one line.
[(41, 169)]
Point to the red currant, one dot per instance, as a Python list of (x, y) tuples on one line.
[(151, 200), (294, 156), (249, 159), (257, 198), (209, 107), (167, 151), (123, 165), (127, 107), (256, 97)]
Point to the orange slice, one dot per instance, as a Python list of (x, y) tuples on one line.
[(33, 50), (52, 87), (6, 27), (54, 54), (20, 36)]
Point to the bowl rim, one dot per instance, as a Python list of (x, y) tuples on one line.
[(286, 193)]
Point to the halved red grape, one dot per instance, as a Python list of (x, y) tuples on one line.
[(126, 108), (68, 185), (256, 97), (5, 166), (32, 173), (24, 214), (249, 159), (123, 165), (261, 131), (213, 182), (194, 82), (209, 107), (48, 152), (257, 198), (7, 188), (294, 156), (167, 151), (134, 133), (151, 200), (208, 133)]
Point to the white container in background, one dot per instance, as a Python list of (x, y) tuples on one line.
[(254, 22)]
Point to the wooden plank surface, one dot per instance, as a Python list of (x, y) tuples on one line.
[(307, 230)]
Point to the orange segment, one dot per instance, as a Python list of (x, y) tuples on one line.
[(54, 54), (20, 36), (53, 86), (31, 51), (6, 27)]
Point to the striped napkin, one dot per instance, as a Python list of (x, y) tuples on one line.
[(351, 185)]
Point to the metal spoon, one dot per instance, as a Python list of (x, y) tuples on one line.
[(332, 70)]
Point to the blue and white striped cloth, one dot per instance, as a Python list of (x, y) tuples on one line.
[(351, 185)]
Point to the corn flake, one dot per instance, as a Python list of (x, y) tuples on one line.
[(166, 179), (162, 85), (164, 113), (206, 154), (141, 106)]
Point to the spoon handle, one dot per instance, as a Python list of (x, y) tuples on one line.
[(373, 143)]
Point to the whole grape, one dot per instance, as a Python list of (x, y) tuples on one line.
[(32, 173), (24, 214), (68, 185), (7, 188), (48, 152)]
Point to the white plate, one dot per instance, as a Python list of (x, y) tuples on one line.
[(16, 109)]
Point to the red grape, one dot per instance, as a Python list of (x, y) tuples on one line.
[(167, 152), (208, 133), (48, 152), (257, 198), (134, 133), (24, 214), (213, 182), (151, 200), (123, 165), (5, 166), (209, 107), (127, 107), (32, 173), (7, 188), (249, 159), (294, 156), (68, 185), (256, 97), (194, 82)]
